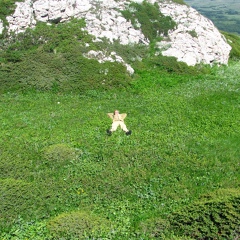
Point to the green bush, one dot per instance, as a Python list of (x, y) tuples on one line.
[(171, 65), (130, 53), (68, 72), (193, 33), (152, 22), (59, 152), (27, 230), (78, 225), (51, 58), (17, 199), (214, 216), (7, 7), (52, 37), (154, 228)]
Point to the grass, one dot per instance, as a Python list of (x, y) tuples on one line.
[(184, 144), (63, 177)]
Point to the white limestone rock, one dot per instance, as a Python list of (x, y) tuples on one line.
[(22, 18), (195, 39), (1, 26), (112, 57)]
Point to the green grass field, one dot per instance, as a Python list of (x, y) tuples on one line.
[(56, 158), (63, 178)]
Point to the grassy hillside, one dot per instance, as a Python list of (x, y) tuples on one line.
[(62, 177), (58, 166), (224, 14)]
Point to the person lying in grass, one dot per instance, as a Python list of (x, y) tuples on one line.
[(118, 120)]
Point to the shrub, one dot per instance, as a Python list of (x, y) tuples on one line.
[(154, 228), (214, 216), (17, 198), (27, 230), (55, 36), (193, 33), (51, 58), (171, 65), (152, 22), (59, 152), (7, 7), (62, 72), (78, 225)]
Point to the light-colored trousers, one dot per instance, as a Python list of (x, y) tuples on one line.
[(115, 125)]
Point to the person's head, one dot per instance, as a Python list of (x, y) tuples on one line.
[(116, 112)]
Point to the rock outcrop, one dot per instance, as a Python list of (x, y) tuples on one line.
[(1, 26), (194, 40)]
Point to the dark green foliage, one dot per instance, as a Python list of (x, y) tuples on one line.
[(152, 22), (214, 216), (184, 143), (51, 58), (55, 37), (193, 33), (27, 230), (17, 198), (171, 65), (7, 7), (130, 53), (154, 228), (78, 225)]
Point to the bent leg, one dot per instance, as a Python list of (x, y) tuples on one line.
[(114, 126), (123, 126)]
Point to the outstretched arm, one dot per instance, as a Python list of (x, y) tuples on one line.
[(123, 115), (110, 115)]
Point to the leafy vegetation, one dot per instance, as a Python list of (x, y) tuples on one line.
[(184, 145), (78, 225), (7, 7), (51, 58), (149, 19), (234, 41), (216, 214)]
